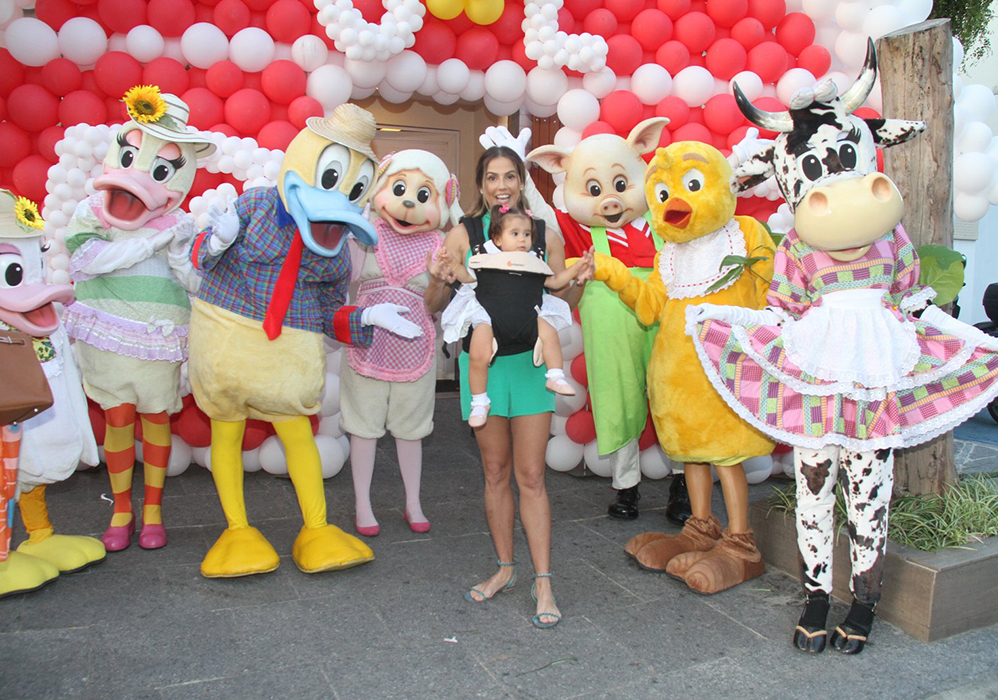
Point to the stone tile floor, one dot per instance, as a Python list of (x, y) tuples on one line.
[(147, 625)]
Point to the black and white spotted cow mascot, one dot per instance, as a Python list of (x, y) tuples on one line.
[(837, 365)]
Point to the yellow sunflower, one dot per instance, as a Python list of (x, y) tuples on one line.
[(145, 104), (27, 213)]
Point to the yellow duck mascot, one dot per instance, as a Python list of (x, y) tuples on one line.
[(274, 280), (692, 205)]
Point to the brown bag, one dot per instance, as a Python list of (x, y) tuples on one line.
[(24, 389)]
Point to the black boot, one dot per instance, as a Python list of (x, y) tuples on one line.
[(625, 507), (851, 636), (811, 633), (678, 510)]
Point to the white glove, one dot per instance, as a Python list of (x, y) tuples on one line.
[(501, 136), (388, 316), (161, 239), (225, 228), (747, 147)]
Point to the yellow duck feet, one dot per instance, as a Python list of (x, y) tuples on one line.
[(328, 549), (22, 573), (68, 553), (240, 551)]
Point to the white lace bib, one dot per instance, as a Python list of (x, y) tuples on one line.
[(689, 269)]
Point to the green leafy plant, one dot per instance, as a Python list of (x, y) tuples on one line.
[(969, 20), (740, 264), (942, 269)]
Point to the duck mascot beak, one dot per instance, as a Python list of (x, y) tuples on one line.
[(326, 179)]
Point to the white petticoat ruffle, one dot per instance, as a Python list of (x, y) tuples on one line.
[(464, 313)]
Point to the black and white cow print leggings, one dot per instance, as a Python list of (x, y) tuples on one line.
[(868, 482)]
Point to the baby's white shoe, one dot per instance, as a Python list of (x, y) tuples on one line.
[(556, 382), (480, 406)]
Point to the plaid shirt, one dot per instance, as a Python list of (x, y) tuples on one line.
[(242, 278)]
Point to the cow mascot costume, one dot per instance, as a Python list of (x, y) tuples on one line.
[(275, 273), (838, 366)]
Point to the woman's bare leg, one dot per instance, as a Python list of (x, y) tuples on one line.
[(497, 465)]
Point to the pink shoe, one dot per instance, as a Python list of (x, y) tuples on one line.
[(118, 537), (419, 527), (153, 536), (372, 531)]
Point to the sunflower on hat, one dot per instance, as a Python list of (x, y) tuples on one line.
[(145, 104), (27, 214)]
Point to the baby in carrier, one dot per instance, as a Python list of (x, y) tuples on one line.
[(504, 304)]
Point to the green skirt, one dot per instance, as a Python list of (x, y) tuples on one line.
[(516, 387)]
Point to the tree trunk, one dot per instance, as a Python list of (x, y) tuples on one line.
[(916, 76)]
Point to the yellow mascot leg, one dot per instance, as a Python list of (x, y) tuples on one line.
[(67, 553), (319, 546), (241, 550)]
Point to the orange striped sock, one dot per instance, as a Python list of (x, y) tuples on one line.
[(119, 451), (10, 448), (156, 455)]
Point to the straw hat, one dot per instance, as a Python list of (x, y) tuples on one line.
[(171, 124), (16, 215), (350, 125)]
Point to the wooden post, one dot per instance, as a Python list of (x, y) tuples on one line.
[(916, 77)]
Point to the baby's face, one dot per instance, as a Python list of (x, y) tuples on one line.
[(516, 235)]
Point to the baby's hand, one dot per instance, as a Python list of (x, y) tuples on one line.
[(442, 265)]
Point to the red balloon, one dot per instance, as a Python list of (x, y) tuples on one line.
[(477, 47), (520, 56), (318, 30), (29, 177), (507, 28), (3, 109), (601, 22), (578, 369), (673, 56), (33, 76), (55, 13), (256, 432), (816, 59), (276, 135), (194, 427), (197, 77), (648, 437), (624, 55), (32, 108), (117, 113), (867, 113), (664, 140), (370, 10), (90, 83), (224, 78), (301, 108), (171, 17), (314, 420), (621, 109), (206, 107), (121, 15), (231, 16), (82, 107), (11, 73), (579, 8), (693, 132), (581, 427), (566, 22), (60, 76), (253, 80), (597, 127), (674, 8), (736, 136), (247, 110), (435, 42), (259, 5), (768, 104), (698, 6), (283, 81), (695, 30), (696, 116), (651, 28), (116, 73), (769, 12), (224, 129), (675, 110), (48, 139), (168, 74), (768, 60), (460, 24), (204, 13), (748, 32), (721, 114), (726, 58), (287, 20), (795, 32), (726, 12), (16, 144), (625, 10)]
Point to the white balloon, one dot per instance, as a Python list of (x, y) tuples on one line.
[(969, 207), (502, 109), (445, 98), (783, 463), (562, 454), (406, 72), (915, 11), (571, 341), (850, 47), (505, 81), (475, 89), (390, 94), (330, 455), (330, 85), (251, 460), (818, 10), (972, 173), (171, 49), (567, 405), (8, 9), (654, 463), (200, 456), (429, 86), (82, 41), (309, 52), (598, 464), (749, 82), (882, 20), (344, 445), (181, 456), (272, 457), (60, 277), (976, 137), (792, 81), (577, 109), (558, 424), (651, 83), (453, 75), (567, 138), (957, 53), (539, 110), (600, 84), (978, 101), (330, 425), (204, 45), (545, 87), (252, 49), (841, 80), (694, 85), (331, 395), (758, 469), (366, 74), (850, 15)]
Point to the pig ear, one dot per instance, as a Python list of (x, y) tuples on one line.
[(554, 159), (754, 171), (645, 136)]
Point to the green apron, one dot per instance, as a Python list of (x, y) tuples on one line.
[(617, 348)]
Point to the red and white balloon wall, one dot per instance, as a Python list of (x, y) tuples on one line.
[(252, 71)]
